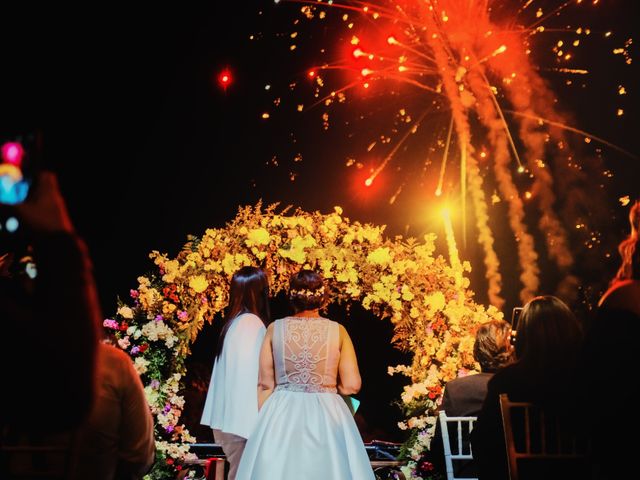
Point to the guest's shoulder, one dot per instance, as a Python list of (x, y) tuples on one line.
[(468, 381), (249, 320), (111, 358), (507, 375), (622, 295)]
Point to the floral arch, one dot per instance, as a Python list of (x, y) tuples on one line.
[(426, 297)]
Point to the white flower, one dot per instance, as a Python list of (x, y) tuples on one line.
[(140, 365)]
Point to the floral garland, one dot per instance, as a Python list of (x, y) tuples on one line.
[(425, 297)]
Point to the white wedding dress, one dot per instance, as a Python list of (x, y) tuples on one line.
[(305, 430)]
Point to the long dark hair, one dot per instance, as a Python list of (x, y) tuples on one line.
[(248, 293), (548, 338), (306, 291)]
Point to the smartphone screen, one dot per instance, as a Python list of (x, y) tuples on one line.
[(515, 317), (18, 161)]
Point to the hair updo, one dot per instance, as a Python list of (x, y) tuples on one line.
[(492, 348), (306, 291)]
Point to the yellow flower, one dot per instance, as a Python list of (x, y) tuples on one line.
[(380, 256), (125, 312), (171, 270), (435, 301), (229, 264), (406, 293), (199, 283), (297, 251), (168, 308), (258, 236), (326, 266)]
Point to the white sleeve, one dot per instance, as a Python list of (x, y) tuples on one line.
[(242, 354)]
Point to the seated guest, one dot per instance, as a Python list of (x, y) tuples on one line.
[(548, 342), (613, 336), (492, 349), (464, 396)]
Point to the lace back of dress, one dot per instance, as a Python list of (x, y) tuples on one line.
[(306, 354)]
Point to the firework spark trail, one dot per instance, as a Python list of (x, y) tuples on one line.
[(485, 236), (461, 121), (454, 256), (528, 93), (488, 115), (472, 58)]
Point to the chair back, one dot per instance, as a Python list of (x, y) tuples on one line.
[(456, 430), (541, 442)]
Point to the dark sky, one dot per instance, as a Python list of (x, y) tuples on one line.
[(149, 148)]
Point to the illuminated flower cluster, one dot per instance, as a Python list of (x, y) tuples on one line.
[(433, 313)]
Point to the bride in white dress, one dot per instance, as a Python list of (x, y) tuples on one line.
[(305, 429)]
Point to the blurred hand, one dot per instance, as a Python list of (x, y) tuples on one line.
[(45, 210)]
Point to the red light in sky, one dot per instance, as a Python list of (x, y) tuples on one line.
[(225, 79), (12, 152), (312, 73)]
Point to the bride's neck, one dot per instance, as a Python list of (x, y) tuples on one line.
[(308, 313)]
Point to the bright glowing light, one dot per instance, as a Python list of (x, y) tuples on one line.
[(368, 181), (438, 192), (12, 152), (12, 224), (357, 52), (366, 72), (391, 40), (225, 79), (312, 73), (520, 169)]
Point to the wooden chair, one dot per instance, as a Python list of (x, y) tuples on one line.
[(540, 443), (463, 427)]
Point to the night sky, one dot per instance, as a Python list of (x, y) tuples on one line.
[(150, 148)]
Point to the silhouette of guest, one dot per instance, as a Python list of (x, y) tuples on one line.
[(548, 343), (610, 357)]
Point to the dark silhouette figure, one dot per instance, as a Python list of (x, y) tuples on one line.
[(548, 342)]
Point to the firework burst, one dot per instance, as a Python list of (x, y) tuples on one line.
[(500, 133)]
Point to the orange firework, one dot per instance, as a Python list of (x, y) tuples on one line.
[(471, 61)]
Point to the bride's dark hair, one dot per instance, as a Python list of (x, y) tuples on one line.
[(248, 293), (306, 291)]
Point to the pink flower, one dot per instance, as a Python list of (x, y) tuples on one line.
[(112, 324), (134, 293)]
